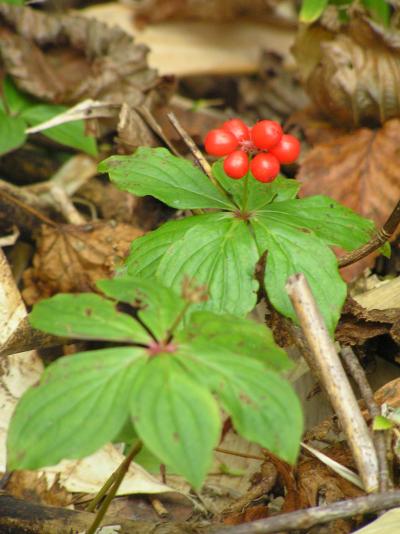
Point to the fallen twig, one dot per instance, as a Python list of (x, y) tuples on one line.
[(309, 517), (334, 380), (357, 372), (379, 239)]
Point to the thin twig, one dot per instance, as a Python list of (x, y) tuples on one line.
[(305, 519), (201, 160), (334, 380), (117, 477), (240, 454), (28, 209), (355, 369), (379, 239)]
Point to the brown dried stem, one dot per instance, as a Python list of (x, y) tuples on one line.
[(305, 519), (379, 239), (356, 371), (334, 380)]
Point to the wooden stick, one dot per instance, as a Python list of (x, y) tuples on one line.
[(379, 239), (305, 519), (356, 371), (334, 380)]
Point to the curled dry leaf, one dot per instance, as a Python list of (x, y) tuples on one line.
[(351, 76), (68, 58), (72, 258)]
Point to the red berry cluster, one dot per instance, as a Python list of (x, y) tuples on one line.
[(266, 142)]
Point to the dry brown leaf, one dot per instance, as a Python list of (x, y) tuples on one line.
[(32, 486), (67, 58), (72, 258), (352, 75), (360, 170), (158, 10)]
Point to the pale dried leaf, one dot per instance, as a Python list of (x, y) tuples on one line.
[(388, 523), (72, 258), (89, 474)]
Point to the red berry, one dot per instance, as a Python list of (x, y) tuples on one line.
[(287, 150), (220, 142), (238, 128), (236, 165), (266, 134), (265, 167)]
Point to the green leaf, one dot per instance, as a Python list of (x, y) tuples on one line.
[(14, 2), (147, 251), (263, 406), (82, 403), (222, 256), (290, 252), (174, 181), (311, 10), (159, 306), (86, 316), (71, 134), (382, 423), (207, 332), (386, 250), (177, 419), (16, 100), (379, 9), (258, 195), (12, 132), (329, 220)]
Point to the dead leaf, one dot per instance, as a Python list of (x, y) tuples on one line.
[(67, 58), (72, 258), (352, 75), (388, 523), (157, 10), (358, 324), (359, 170), (32, 486)]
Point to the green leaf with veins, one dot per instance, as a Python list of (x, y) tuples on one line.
[(263, 406), (12, 132), (173, 180), (259, 194), (292, 252), (86, 316), (177, 419), (158, 306), (147, 251), (71, 134), (222, 256), (81, 403), (329, 220), (208, 333)]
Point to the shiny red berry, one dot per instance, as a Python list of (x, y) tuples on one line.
[(220, 142), (287, 150), (265, 167), (266, 134), (238, 128), (236, 165)]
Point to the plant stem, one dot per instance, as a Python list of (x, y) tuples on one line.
[(113, 483), (178, 319), (201, 160), (245, 192)]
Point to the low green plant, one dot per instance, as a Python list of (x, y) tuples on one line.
[(311, 10), (18, 111), (165, 381), (246, 220)]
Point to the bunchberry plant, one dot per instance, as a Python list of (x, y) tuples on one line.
[(164, 382), (245, 220)]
